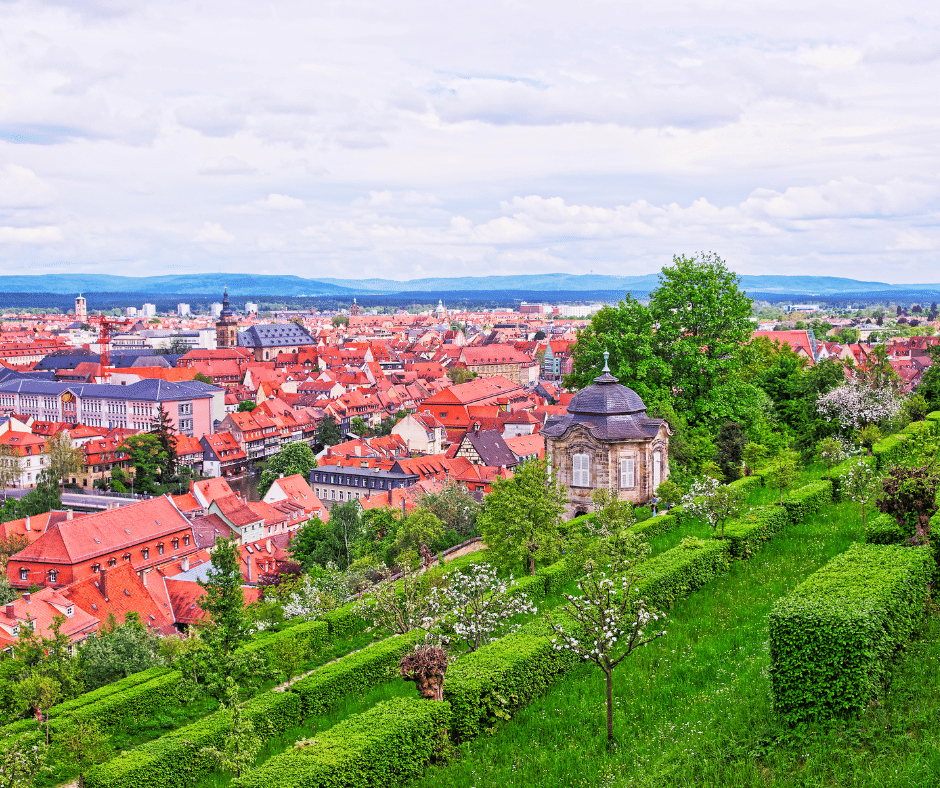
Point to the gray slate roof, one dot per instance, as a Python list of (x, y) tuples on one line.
[(609, 411), (493, 450), (275, 335), (144, 390)]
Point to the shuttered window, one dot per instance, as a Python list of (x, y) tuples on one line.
[(627, 475), (581, 470)]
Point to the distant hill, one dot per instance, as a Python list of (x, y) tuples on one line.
[(211, 284)]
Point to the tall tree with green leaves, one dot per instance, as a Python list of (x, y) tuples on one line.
[(224, 599), (293, 458), (521, 517), (64, 459), (328, 432), (626, 332), (166, 433), (702, 321), (149, 458), (117, 651)]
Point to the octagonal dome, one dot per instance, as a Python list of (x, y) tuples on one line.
[(606, 397)]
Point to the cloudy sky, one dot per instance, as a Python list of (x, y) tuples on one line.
[(353, 138)]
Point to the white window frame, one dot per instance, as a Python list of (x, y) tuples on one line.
[(627, 473), (581, 469)]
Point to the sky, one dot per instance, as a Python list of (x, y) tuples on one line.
[(358, 139)]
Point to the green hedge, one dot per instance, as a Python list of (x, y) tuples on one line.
[(883, 529), (805, 501), (889, 451), (832, 638), (556, 576), (933, 419), (313, 634), (128, 682), (344, 621), (747, 534), (748, 483), (918, 430), (503, 675), (353, 674), (657, 526), (676, 573), (388, 745), (174, 760)]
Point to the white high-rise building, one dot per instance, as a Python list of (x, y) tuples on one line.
[(131, 311), (251, 306), (182, 309), (148, 310), (216, 309)]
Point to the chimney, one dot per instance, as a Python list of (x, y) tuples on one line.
[(184, 564), (143, 578), (68, 514), (103, 583), (9, 610), (26, 597), (27, 523)]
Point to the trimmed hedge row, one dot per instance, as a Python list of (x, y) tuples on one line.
[(832, 638), (747, 534), (313, 634), (802, 502), (748, 483), (556, 576), (344, 621), (889, 450), (678, 572), (883, 529), (388, 745), (128, 682), (175, 759), (505, 674), (353, 674), (657, 526), (933, 418)]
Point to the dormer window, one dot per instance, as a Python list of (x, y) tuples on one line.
[(112, 561), (185, 541), (145, 553), (96, 568), (53, 575), (160, 549), (126, 557), (176, 543), (69, 611), (24, 573)]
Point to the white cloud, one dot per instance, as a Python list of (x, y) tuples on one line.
[(280, 202), (30, 235), (214, 234), (22, 188)]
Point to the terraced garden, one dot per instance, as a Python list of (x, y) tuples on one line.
[(694, 708)]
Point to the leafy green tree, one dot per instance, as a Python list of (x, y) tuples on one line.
[(241, 743), (203, 379), (929, 387), (246, 406), (730, 449), (38, 691), (64, 459), (521, 518), (702, 319), (164, 431), (293, 458), (831, 451), (782, 471), (860, 483), (460, 374), (340, 320), (755, 455), (116, 651), (149, 458), (714, 503), (335, 541), (289, 655), (224, 600), (421, 527), (359, 427), (626, 332), (910, 496), (328, 433), (82, 744), (669, 493), (11, 467), (454, 506), (21, 761)]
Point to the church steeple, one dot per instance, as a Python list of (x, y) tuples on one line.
[(226, 328)]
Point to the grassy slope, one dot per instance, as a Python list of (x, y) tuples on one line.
[(694, 708)]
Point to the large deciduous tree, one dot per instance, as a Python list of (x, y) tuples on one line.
[(702, 320), (521, 516), (293, 458)]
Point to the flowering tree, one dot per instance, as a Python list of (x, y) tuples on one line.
[(713, 502), (611, 619), (474, 606), (21, 760), (426, 666), (782, 472), (310, 601), (399, 605), (859, 483), (832, 451), (855, 405)]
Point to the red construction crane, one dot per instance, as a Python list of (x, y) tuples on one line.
[(105, 325)]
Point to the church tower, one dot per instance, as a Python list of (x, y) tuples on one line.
[(226, 328), (80, 311)]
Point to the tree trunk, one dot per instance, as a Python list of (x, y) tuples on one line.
[(610, 707), (531, 564)]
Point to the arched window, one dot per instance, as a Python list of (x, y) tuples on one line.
[(657, 468), (53, 575), (24, 573), (581, 470)]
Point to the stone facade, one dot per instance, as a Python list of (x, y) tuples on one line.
[(606, 441)]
